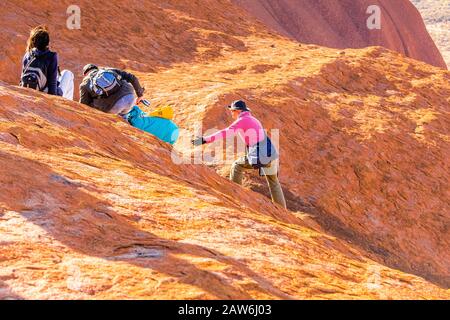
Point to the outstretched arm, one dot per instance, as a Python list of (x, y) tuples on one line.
[(223, 134), (131, 78)]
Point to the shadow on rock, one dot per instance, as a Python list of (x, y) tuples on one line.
[(87, 225)]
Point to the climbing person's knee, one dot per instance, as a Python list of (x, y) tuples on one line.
[(67, 74), (66, 84)]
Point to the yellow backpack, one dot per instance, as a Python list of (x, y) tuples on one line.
[(165, 112)]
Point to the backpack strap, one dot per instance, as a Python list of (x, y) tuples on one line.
[(90, 79), (32, 58)]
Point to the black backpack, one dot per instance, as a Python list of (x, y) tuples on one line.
[(262, 153), (34, 74)]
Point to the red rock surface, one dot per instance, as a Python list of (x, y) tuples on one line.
[(364, 140), (436, 15), (342, 24), (91, 208)]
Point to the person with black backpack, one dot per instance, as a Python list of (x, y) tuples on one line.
[(110, 90), (40, 69)]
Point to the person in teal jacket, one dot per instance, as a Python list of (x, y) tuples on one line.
[(164, 129)]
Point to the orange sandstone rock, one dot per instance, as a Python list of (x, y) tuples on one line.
[(91, 208), (343, 24)]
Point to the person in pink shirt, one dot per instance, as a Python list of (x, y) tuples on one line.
[(261, 154)]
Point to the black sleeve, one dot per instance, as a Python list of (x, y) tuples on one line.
[(131, 78), (52, 75)]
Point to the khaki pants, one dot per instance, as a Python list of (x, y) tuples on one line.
[(237, 171)]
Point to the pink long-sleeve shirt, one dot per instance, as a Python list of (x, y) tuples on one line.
[(248, 127)]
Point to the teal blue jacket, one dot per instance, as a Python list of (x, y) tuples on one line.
[(164, 129)]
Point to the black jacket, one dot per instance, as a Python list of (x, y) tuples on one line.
[(50, 63), (130, 85)]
